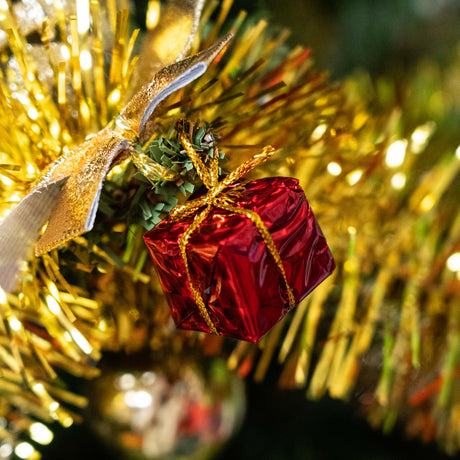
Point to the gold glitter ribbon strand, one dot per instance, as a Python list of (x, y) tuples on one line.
[(217, 197)]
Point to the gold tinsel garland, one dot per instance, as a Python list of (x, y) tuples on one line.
[(394, 298)]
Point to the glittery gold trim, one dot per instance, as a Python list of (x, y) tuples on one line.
[(217, 197)]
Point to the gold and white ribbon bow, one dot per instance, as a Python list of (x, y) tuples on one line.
[(67, 195)]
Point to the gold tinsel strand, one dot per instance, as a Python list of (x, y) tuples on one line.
[(46, 325)]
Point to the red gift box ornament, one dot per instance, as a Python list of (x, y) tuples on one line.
[(235, 260)]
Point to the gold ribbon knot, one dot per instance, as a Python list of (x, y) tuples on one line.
[(218, 197)]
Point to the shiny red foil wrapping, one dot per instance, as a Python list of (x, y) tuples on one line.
[(231, 266)]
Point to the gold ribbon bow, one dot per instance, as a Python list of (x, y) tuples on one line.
[(67, 195), (217, 197)]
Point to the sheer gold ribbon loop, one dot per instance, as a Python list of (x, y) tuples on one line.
[(217, 197)]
